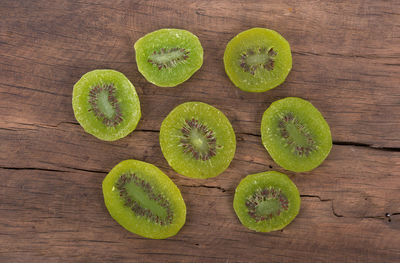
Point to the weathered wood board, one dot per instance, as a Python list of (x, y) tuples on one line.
[(345, 61)]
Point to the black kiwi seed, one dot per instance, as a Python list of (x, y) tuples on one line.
[(176, 55), (264, 58)]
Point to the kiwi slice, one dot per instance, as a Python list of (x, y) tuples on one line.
[(295, 134), (197, 140), (257, 59), (266, 201), (106, 104), (145, 201), (168, 57)]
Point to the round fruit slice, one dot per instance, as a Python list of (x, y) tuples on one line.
[(197, 140), (145, 201), (168, 57), (257, 59), (266, 201), (295, 134), (106, 104)]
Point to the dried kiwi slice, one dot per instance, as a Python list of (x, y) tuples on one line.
[(145, 201), (266, 201), (257, 59), (168, 57), (295, 134), (106, 104), (197, 140)]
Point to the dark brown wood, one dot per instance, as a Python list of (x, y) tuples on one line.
[(345, 61)]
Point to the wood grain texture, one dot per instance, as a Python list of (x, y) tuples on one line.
[(345, 61)]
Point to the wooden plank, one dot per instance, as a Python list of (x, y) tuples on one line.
[(340, 62), (357, 172), (59, 203), (346, 62)]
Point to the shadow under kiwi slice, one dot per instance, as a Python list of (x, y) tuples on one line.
[(257, 60), (266, 201), (142, 199), (168, 57), (106, 104), (295, 134)]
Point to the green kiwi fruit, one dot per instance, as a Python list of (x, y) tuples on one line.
[(197, 140), (145, 201), (295, 134), (106, 104), (257, 59), (168, 57), (266, 201)]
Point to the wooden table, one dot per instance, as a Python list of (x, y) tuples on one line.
[(345, 61)]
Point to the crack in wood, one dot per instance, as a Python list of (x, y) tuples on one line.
[(175, 254), (316, 196), (387, 215), (341, 143), (344, 143), (35, 90), (206, 186), (32, 168), (86, 170), (350, 56), (148, 130), (357, 144), (323, 200), (52, 170)]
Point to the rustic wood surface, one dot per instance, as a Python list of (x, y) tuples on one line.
[(345, 61)]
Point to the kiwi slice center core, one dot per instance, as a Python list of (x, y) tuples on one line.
[(198, 140), (143, 200), (297, 136), (165, 58), (105, 105), (267, 207), (138, 195), (256, 59), (267, 203)]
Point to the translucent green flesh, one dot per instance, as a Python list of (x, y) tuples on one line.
[(313, 122), (263, 79), (126, 95), (168, 39), (267, 207), (137, 194), (257, 59), (296, 136), (185, 163), (252, 183), (164, 58), (199, 141), (161, 184), (104, 104)]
